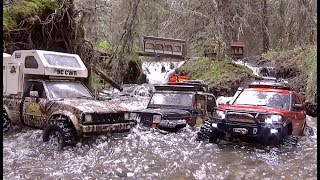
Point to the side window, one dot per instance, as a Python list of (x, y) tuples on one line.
[(35, 86), (201, 101), (211, 103), (27, 88), (294, 100), (31, 62)]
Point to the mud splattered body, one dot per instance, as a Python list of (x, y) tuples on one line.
[(38, 111)]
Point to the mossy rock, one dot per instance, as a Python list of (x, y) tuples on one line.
[(223, 77), (24, 9), (298, 66), (133, 72)]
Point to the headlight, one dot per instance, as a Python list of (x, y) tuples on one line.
[(133, 116), (88, 117), (272, 118), (219, 114), (156, 119), (126, 116)]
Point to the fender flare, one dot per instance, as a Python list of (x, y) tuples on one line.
[(74, 119)]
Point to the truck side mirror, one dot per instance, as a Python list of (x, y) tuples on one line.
[(213, 110), (34, 94), (297, 107)]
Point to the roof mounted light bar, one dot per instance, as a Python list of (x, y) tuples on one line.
[(270, 84), (200, 85), (267, 78), (262, 78)]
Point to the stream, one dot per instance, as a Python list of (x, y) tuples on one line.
[(150, 155)]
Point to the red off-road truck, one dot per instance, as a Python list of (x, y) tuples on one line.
[(267, 111)]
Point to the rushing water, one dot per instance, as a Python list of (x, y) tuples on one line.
[(142, 154), (159, 72)]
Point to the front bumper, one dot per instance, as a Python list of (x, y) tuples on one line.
[(258, 131), (107, 128), (172, 125)]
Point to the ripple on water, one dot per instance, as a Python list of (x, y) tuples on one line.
[(152, 155)]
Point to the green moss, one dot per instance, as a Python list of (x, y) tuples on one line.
[(215, 72), (23, 9), (8, 21), (46, 4), (307, 61)]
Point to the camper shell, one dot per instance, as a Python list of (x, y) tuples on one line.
[(29, 64), (42, 89)]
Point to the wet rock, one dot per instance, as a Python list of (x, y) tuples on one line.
[(142, 79), (311, 109)]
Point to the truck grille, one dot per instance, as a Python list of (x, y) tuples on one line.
[(246, 116), (106, 118), (240, 117)]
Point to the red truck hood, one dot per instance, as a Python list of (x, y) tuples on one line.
[(252, 108)]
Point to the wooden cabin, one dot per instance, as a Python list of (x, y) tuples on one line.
[(237, 50), (210, 51), (166, 47)]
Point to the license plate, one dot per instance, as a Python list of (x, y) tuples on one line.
[(240, 130), (116, 127)]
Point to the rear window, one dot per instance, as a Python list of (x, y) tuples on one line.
[(264, 98), (61, 60)]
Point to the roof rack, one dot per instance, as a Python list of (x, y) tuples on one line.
[(265, 78), (270, 84), (200, 85)]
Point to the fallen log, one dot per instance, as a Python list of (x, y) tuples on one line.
[(106, 78)]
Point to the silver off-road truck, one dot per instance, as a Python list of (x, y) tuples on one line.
[(42, 89)]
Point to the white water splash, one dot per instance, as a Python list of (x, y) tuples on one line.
[(255, 70), (159, 72), (223, 99)]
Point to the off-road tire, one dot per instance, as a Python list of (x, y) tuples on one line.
[(62, 129), (287, 140), (290, 141), (207, 133), (7, 124), (307, 130)]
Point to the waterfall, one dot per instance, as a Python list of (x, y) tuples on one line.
[(159, 72)]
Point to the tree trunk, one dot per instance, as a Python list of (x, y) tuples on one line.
[(282, 24), (301, 22), (105, 77), (119, 69), (265, 36)]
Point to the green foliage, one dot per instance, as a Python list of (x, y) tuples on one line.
[(23, 9), (95, 81), (103, 46), (215, 72), (132, 57), (308, 65), (305, 59)]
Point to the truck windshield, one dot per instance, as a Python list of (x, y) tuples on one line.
[(171, 99), (263, 98), (61, 89)]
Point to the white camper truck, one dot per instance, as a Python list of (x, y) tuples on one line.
[(42, 89)]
